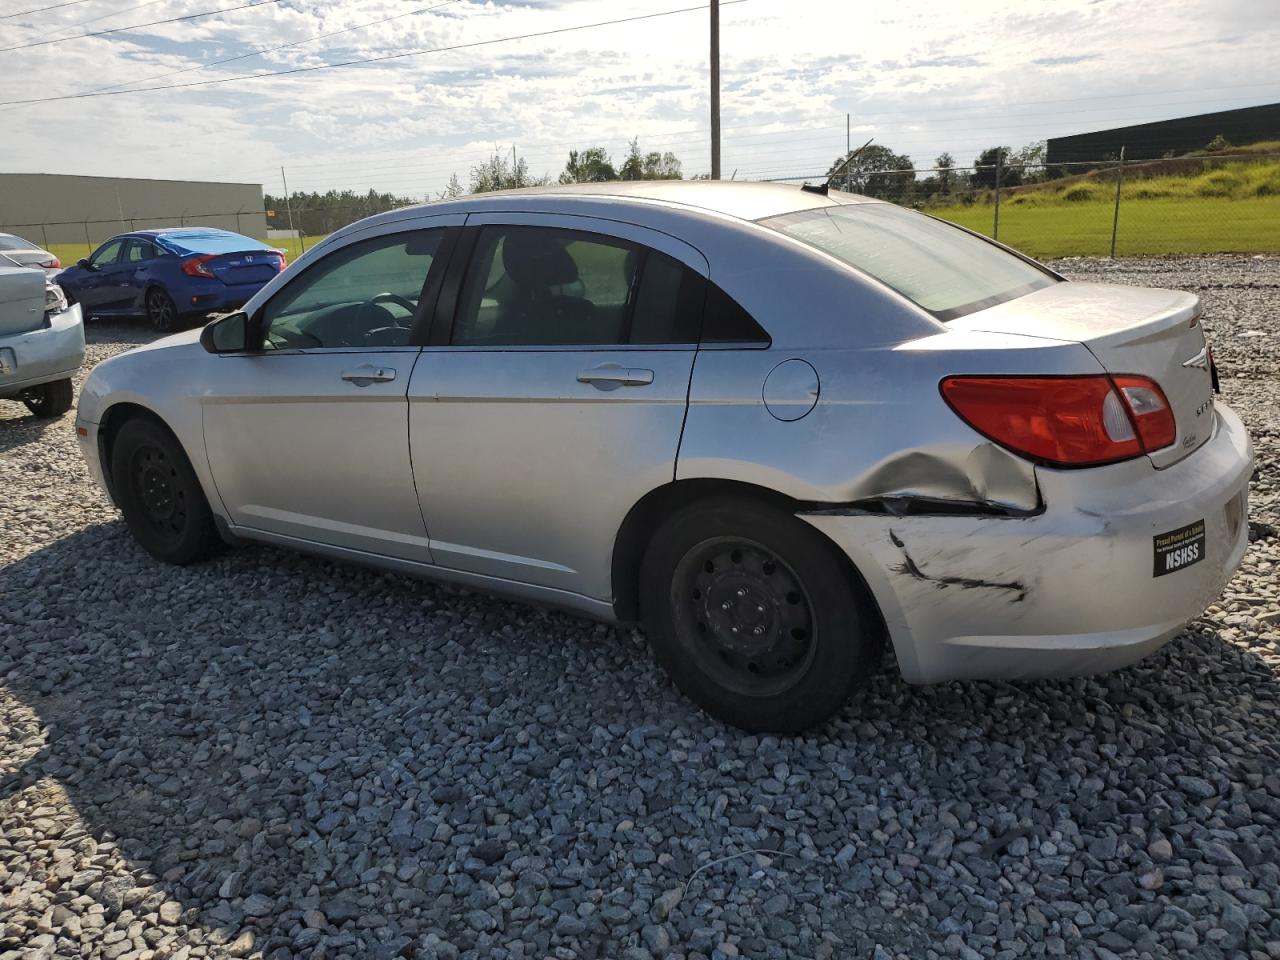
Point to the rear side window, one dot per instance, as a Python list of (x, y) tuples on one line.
[(725, 321), (669, 301), (544, 286), (939, 267), (139, 250), (539, 286)]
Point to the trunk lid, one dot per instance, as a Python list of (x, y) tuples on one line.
[(30, 258), (21, 300), (248, 266), (1139, 330)]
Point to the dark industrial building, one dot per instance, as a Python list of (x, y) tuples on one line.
[(1150, 141)]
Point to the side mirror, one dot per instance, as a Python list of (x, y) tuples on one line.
[(229, 334), (84, 262)]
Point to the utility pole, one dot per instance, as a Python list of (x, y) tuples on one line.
[(515, 180), (1115, 217), (288, 205), (995, 233), (848, 148), (715, 89)]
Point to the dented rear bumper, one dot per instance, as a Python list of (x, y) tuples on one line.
[(1069, 590)]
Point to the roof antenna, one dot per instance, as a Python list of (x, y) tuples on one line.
[(826, 187)]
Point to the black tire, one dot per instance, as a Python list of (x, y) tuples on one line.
[(162, 312), (159, 494), (755, 616), (49, 399)]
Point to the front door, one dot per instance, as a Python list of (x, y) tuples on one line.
[(97, 283), (556, 396), (308, 438)]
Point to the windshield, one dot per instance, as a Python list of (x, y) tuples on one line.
[(939, 267)]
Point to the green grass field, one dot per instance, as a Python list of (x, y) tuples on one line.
[(1146, 227), (1176, 206)]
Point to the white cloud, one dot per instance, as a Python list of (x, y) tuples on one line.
[(919, 76)]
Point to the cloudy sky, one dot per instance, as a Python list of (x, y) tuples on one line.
[(918, 75)]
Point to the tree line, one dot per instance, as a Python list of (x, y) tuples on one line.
[(878, 171), (875, 170)]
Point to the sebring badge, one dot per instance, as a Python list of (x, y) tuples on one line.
[(1200, 361)]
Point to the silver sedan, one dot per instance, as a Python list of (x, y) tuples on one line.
[(779, 426)]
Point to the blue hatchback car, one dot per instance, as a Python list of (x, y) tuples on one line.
[(171, 275)]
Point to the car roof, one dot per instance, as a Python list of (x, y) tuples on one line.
[(741, 199)]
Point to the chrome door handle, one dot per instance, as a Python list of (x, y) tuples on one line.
[(610, 376), (366, 374)]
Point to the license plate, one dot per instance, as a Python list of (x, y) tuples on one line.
[(1178, 549), (8, 361)]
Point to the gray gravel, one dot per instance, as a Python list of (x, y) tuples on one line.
[(277, 756)]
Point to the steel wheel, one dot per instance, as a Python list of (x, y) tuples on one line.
[(161, 311), (159, 490), (752, 615)]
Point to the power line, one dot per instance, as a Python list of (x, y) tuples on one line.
[(55, 6), (282, 46), (364, 60), (593, 138), (138, 26)]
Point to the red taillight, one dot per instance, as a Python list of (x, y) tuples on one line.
[(283, 262), (1066, 421), (195, 266), (53, 263)]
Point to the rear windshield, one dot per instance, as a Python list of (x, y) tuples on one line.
[(9, 242), (211, 243), (937, 266)]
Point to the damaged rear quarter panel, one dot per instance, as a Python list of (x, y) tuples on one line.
[(880, 427)]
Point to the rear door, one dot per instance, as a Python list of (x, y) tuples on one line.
[(309, 438), (139, 256), (553, 395)]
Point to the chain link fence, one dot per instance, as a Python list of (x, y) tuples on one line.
[(1188, 205)]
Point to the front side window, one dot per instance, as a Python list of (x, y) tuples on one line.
[(939, 267), (542, 286), (362, 295), (106, 254)]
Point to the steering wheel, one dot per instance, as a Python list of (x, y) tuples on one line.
[(383, 329), (385, 297)]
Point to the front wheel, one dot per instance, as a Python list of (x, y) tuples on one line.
[(49, 399), (159, 494), (162, 313), (755, 615)]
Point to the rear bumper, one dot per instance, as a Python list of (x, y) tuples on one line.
[(45, 354), (214, 296), (1069, 591)]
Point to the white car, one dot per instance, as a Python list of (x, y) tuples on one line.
[(41, 340)]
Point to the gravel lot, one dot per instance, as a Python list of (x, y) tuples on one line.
[(272, 755)]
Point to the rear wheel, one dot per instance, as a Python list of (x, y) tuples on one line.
[(755, 615), (49, 399), (159, 494), (162, 313)]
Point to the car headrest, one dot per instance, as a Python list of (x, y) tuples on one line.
[(532, 259)]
